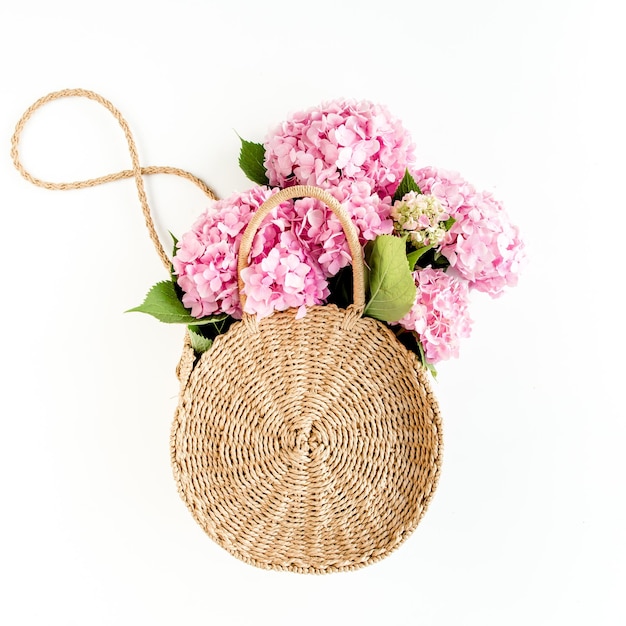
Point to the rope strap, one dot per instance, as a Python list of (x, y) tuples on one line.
[(137, 172)]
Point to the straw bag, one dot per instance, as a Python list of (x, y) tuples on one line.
[(310, 445)]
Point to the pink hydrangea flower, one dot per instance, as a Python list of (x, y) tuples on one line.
[(452, 190), (321, 232), (282, 272), (483, 246), (206, 259), (440, 315), (285, 278), (340, 140)]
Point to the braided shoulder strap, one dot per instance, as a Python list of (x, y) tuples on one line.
[(136, 172)]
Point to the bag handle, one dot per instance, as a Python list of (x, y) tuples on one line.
[(301, 191), (137, 172)]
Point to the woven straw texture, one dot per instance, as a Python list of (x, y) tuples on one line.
[(311, 445)]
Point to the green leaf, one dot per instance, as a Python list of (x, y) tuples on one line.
[(175, 242), (439, 261), (406, 184), (391, 287), (429, 366), (199, 342), (162, 302), (251, 161), (174, 251), (448, 223), (414, 257)]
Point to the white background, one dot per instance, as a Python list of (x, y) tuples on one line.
[(524, 99)]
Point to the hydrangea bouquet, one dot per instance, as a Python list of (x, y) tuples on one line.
[(429, 236)]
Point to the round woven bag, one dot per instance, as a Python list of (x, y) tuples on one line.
[(311, 445)]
